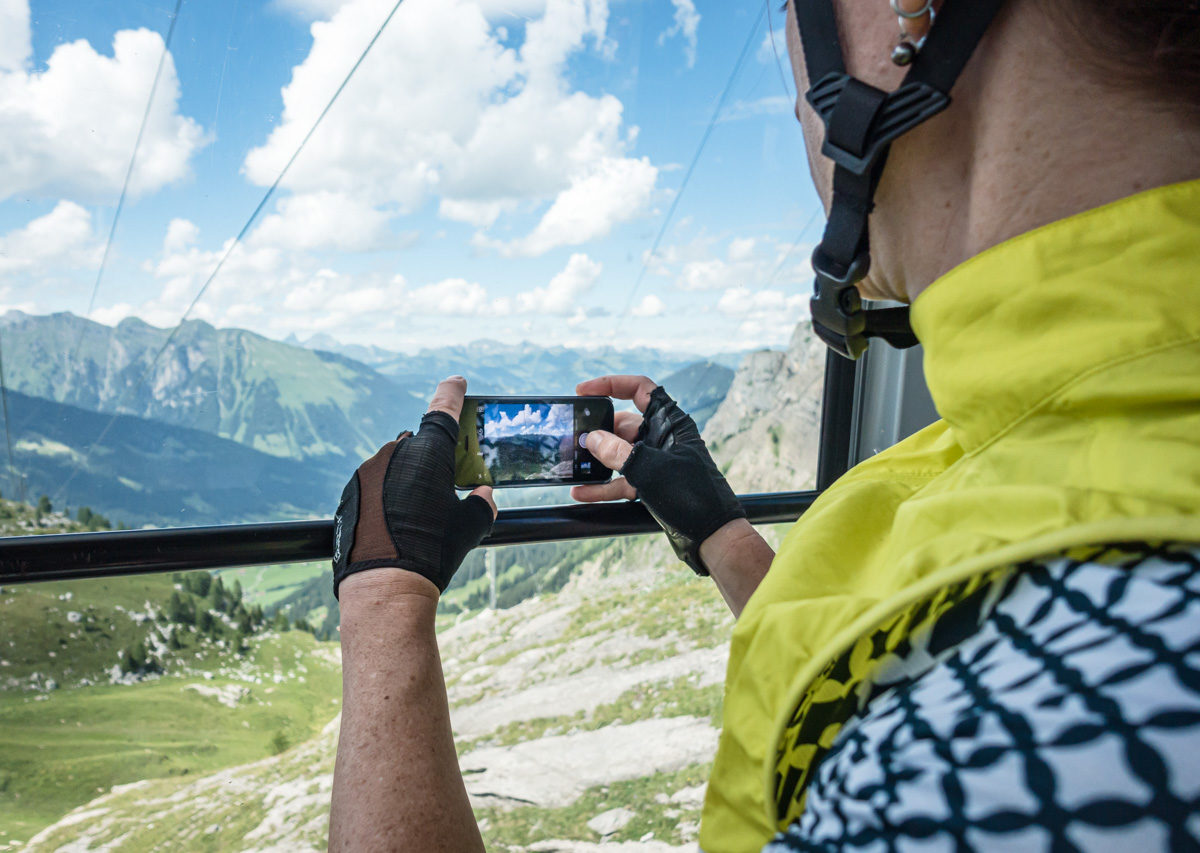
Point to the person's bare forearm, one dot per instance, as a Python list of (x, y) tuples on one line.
[(396, 783), (737, 558)]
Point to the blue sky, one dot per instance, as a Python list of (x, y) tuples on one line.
[(496, 169)]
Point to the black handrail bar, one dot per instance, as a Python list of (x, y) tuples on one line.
[(71, 556)]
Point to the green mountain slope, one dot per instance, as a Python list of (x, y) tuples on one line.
[(111, 681), (147, 472), (279, 399), (699, 388)]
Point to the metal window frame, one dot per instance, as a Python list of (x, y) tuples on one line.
[(69, 556)]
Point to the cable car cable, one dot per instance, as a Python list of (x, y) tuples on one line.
[(775, 49), (236, 242), (712, 123), (112, 231), (769, 280)]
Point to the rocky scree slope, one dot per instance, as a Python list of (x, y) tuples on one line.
[(585, 720)]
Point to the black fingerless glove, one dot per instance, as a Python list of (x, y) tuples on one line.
[(678, 481), (399, 509)]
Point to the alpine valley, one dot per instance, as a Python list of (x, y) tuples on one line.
[(199, 711)]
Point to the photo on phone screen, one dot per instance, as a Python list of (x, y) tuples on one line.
[(529, 441)]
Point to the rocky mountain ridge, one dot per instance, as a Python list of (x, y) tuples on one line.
[(766, 433), (278, 399)]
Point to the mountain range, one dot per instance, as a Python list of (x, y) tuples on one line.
[(224, 425), (281, 400)]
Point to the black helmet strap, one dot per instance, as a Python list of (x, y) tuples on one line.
[(861, 122)]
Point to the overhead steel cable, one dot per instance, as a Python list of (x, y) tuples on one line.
[(687, 177), (137, 144), (787, 256), (775, 49), (236, 240)]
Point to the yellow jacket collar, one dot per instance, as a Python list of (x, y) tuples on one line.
[(1009, 327)]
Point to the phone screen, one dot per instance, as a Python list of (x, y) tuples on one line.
[(529, 441)]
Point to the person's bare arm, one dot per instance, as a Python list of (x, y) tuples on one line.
[(736, 556), (396, 784)]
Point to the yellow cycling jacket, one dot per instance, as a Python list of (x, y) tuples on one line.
[(1065, 364)]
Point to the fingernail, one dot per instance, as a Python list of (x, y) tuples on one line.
[(455, 378)]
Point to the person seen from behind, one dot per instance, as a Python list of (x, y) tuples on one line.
[(988, 636)]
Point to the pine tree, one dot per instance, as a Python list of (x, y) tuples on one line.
[(200, 583), (220, 599), (175, 608)]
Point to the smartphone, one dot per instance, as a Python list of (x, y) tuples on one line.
[(529, 441)]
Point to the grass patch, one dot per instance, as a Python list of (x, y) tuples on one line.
[(521, 826), (61, 749), (268, 585), (653, 700)]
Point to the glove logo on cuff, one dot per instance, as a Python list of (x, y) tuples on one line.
[(400, 509)]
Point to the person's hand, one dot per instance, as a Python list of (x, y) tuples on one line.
[(664, 462), (399, 510)]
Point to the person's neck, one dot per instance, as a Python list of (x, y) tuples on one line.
[(988, 172)]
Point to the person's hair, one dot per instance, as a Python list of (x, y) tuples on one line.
[(1151, 44)]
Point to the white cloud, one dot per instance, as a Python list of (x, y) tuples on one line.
[(325, 220), (15, 47), (616, 191), (452, 297), (747, 261), (309, 10), (277, 292), (181, 233), (69, 129), (742, 249), (774, 45), (443, 109), (687, 22), (110, 315), (766, 315), (62, 238), (561, 296), (766, 106), (650, 306)]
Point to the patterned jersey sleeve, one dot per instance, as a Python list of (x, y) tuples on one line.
[(1068, 719)]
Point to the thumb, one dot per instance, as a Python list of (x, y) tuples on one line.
[(608, 448), (485, 492)]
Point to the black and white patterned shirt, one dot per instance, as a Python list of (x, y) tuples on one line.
[(1064, 716)]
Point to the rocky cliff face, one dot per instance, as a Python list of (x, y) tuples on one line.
[(765, 433)]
